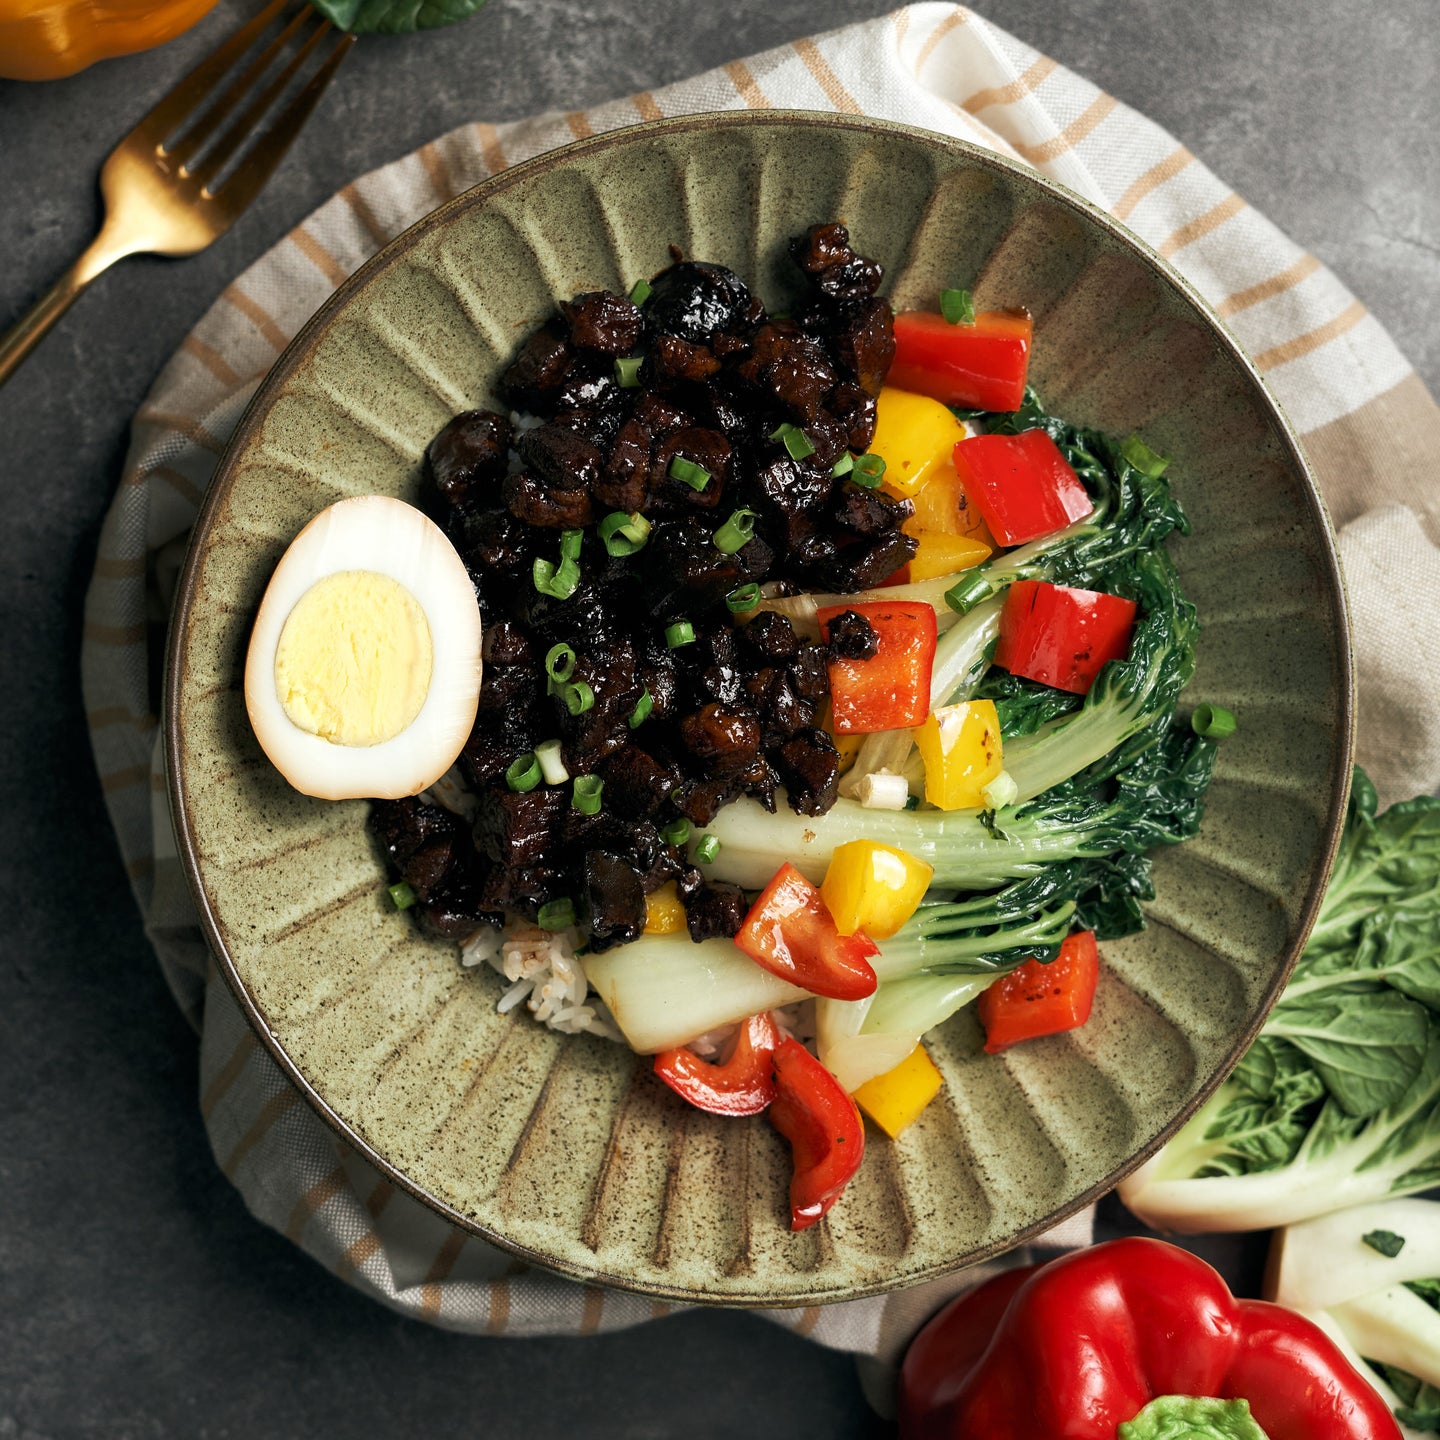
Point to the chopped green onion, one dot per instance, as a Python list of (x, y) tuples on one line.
[(957, 307), (1142, 457), (795, 440), (640, 292), (965, 596), (627, 371), (736, 532), (677, 832), (559, 663), (624, 534), (402, 895), (843, 466), (869, 470), (556, 915), (743, 600), (585, 797), (707, 847), (523, 774), (1214, 721), (682, 632), (687, 472), (552, 763), (641, 713), (1385, 1242), (558, 581), (570, 543), (578, 697)]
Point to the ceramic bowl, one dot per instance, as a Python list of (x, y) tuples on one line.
[(567, 1151)]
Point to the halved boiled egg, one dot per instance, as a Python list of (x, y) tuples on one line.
[(363, 672)]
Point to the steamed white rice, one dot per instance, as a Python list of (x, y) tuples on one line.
[(546, 974)]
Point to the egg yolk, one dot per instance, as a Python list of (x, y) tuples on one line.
[(354, 660)]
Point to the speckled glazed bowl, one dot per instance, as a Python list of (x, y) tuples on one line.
[(566, 1150)]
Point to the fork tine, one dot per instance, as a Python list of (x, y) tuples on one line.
[(255, 169), (192, 90), (193, 139), (248, 121)]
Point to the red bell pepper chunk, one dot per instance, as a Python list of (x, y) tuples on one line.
[(978, 367), (1042, 999), (1022, 484), (890, 690), (826, 1135), (790, 932), (1062, 636), (742, 1085), (1077, 1347)]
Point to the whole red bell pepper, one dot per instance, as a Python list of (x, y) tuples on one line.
[(1062, 636), (827, 1138), (1022, 485), (981, 366), (742, 1085), (790, 932), (1079, 1347), (890, 690)]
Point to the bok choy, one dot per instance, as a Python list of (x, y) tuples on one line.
[(1338, 1101), (1118, 548), (1368, 1276)]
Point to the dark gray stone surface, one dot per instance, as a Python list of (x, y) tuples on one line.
[(136, 1296)]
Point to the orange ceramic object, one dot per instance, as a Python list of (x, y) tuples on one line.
[(45, 39)]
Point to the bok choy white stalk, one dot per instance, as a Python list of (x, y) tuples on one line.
[(664, 990), (1368, 1274), (860, 1039)]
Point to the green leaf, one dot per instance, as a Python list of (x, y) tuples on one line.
[(1263, 1128), (1419, 1406), (395, 17), (1022, 705), (1402, 1382), (1384, 1242), (1426, 1420), (1367, 1048), (1427, 1290), (1390, 861), (1258, 1069)]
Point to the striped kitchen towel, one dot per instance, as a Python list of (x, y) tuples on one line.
[(1371, 430)]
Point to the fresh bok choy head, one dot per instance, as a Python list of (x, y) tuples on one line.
[(1338, 1101), (1368, 1277)]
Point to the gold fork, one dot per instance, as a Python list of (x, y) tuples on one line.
[(183, 175)]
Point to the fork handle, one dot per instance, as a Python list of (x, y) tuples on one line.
[(27, 332)]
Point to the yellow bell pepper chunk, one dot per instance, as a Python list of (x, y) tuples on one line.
[(664, 911), (895, 1099), (960, 745), (943, 508), (913, 435), (945, 554), (873, 887)]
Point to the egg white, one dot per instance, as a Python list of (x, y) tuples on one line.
[(387, 536)]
